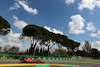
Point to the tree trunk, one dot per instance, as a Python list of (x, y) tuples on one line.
[(59, 49), (31, 50), (34, 50), (74, 52), (48, 50)]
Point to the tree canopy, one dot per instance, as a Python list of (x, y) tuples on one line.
[(13, 50), (95, 54), (87, 46), (4, 26), (42, 36)]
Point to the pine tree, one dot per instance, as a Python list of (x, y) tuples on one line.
[(37, 51), (41, 52), (27, 52)]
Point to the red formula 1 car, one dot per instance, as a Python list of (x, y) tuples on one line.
[(30, 60)]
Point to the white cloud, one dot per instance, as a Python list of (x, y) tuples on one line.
[(56, 31), (89, 4), (76, 25), (20, 24), (81, 45), (69, 1), (66, 34), (48, 28), (97, 3), (53, 48), (12, 39), (16, 18), (96, 45), (90, 27), (15, 6), (75, 40), (20, 3), (53, 30), (56, 47), (10, 43), (1, 40), (13, 36), (27, 8), (96, 34)]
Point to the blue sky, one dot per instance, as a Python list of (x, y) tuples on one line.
[(78, 19)]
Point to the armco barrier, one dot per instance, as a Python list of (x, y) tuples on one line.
[(39, 58)]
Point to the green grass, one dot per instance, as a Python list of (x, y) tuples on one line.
[(87, 61), (81, 61)]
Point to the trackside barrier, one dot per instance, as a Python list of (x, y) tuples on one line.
[(39, 58)]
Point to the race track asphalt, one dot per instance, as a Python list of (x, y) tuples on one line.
[(11, 61)]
